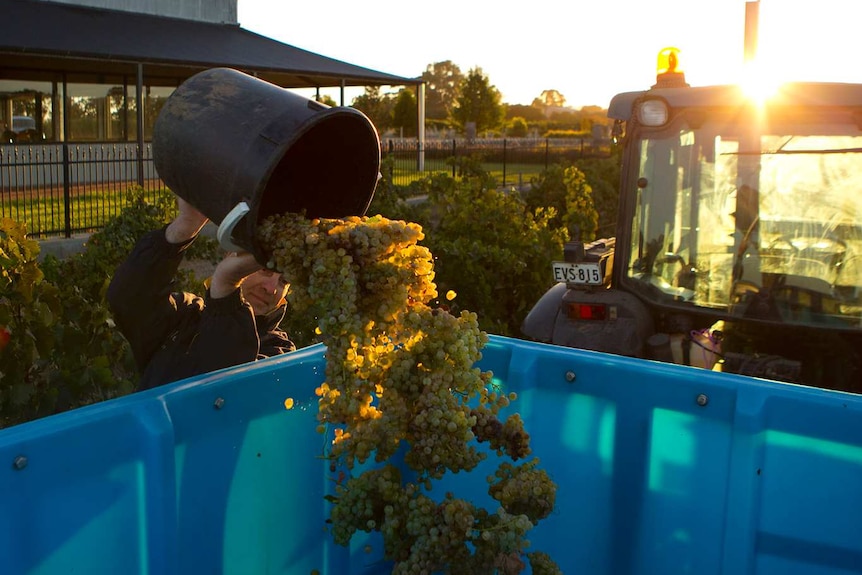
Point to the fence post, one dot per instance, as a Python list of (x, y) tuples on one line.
[(504, 162), (67, 195), (392, 163), (67, 208), (139, 119), (454, 154), (420, 156)]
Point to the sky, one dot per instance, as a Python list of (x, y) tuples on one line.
[(586, 50)]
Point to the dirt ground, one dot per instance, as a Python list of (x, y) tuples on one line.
[(201, 268), (63, 248)]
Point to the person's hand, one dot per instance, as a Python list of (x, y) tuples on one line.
[(186, 225), (231, 271)]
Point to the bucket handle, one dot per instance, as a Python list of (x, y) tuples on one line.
[(225, 228)]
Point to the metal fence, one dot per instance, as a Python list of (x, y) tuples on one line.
[(511, 160), (65, 189)]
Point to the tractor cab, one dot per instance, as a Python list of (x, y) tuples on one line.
[(739, 243)]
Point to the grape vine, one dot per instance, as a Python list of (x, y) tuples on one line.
[(400, 378)]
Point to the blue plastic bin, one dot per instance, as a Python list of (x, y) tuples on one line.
[(661, 469)]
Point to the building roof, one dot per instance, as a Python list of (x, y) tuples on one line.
[(50, 36)]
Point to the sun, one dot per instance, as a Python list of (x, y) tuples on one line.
[(798, 41), (795, 41), (758, 82)]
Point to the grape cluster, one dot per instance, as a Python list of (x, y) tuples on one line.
[(400, 375), (542, 564), (524, 489), (363, 501), (508, 438)]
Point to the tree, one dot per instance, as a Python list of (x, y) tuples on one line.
[(442, 84), (327, 99), (551, 98), (517, 127), (529, 113), (376, 106), (565, 119), (479, 102), (83, 116), (404, 112)]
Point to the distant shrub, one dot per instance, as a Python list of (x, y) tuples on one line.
[(566, 134), (517, 128)]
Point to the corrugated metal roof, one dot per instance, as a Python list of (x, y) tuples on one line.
[(55, 35)]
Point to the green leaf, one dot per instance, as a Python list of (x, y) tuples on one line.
[(21, 394)]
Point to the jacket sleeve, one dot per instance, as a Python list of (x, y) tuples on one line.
[(273, 339), (199, 335), (139, 295), (275, 342), (227, 334)]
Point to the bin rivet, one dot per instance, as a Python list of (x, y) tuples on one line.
[(218, 403), (19, 462), (570, 376), (702, 399)]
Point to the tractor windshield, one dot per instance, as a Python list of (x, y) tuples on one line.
[(756, 216)]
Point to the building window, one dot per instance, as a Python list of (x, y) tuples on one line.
[(26, 111)]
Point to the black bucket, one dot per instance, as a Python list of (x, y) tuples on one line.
[(232, 144)]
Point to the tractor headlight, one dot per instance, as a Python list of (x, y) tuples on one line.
[(652, 113)]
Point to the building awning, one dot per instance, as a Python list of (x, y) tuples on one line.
[(41, 36)]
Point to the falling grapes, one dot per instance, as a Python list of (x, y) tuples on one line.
[(400, 378)]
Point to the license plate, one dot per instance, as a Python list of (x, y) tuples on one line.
[(582, 273)]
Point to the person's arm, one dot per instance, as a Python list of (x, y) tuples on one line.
[(230, 273), (144, 309), (187, 225), (227, 333)]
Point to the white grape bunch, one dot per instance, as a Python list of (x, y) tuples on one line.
[(400, 378)]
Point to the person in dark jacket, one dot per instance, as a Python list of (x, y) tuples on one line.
[(177, 335)]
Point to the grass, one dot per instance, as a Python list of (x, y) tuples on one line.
[(44, 214), (516, 174)]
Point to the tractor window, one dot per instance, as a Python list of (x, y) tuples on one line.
[(757, 223), (662, 226)]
